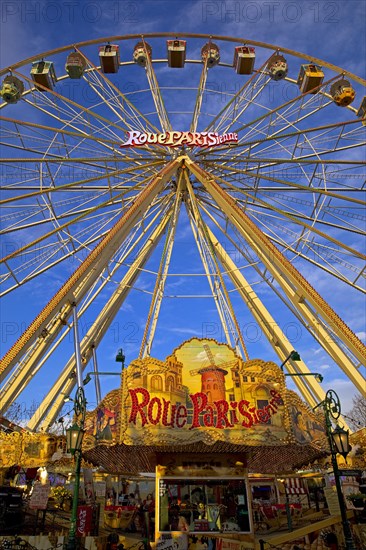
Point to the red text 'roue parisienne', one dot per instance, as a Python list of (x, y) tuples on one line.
[(157, 410), (176, 139)]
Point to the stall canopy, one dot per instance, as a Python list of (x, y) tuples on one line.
[(294, 486)]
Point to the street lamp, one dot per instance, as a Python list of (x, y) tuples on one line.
[(338, 443), (120, 357), (293, 356), (74, 439)]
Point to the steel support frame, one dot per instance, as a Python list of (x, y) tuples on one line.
[(54, 315), (291, 281)]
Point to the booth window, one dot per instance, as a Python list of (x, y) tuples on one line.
[(203, 505)]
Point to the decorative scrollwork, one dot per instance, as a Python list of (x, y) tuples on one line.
[(80, 404), (332, 404)]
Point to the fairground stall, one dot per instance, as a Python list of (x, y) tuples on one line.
[(202, 421), (201, 450)]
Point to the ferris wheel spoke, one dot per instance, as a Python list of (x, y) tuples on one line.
[(42, 256), (20, 251), (18, 123), (288, 115), (85, 246), (76, 184), (319, 146), (77, 239), (317, 251), (155, 91), (335, 126), (318, 254), (240, 102), (263, 212), (296, 219), (77, 117), (325, 256), (199, 97), (290, 185), (134, 119), (52, 404)]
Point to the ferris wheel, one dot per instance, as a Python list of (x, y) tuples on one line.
[(116, 151)]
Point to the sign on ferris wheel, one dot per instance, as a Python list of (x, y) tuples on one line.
[(176, 139)]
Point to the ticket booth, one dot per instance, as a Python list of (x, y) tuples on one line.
[(199, 420), (200, 494)]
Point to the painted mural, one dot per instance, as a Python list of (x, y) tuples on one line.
[(203, 392), (102, 424)]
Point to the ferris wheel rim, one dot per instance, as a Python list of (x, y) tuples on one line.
[(233, 39)]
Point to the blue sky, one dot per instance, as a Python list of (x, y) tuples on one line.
[(330, 30)]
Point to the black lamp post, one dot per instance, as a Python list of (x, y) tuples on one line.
[(293, 356), (339, 443), (120, 357), (74, 439)]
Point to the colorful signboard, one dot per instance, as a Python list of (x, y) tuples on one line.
[(84, 524), (177, 139), (204, 392)]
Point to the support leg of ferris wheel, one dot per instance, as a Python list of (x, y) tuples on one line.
[(30, 364), (308, 301), (78, 284), (309, 387), (51, 406)]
